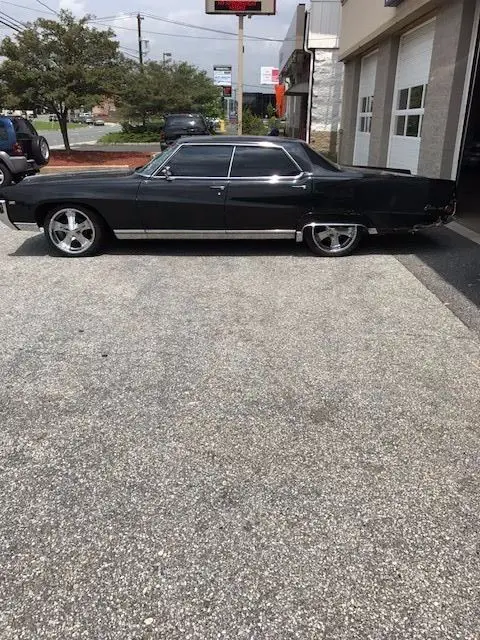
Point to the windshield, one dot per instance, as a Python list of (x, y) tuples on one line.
[(184, 121), (151, 167)]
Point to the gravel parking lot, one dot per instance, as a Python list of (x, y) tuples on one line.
[(235, 441)]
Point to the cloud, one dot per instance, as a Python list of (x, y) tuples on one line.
[(77, 7)]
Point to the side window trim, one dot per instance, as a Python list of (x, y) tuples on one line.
[(273, 146), (195, 144)]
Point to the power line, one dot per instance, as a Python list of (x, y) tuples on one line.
[(11, 26), (47, 7), (12, 20)]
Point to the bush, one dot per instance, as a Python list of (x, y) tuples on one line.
[(148, 127), (252, 125), (133, 136)]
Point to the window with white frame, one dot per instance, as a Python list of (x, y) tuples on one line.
[(366, 113), (410, 111)]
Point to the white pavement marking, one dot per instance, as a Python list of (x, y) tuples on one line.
[(58, 147), (464, 231)]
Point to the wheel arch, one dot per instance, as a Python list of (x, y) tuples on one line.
[(334, 219), (43, 209)]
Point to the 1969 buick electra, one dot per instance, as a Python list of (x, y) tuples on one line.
[(229, 188)]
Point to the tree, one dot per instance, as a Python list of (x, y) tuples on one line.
[(61, 65), (161, 88)]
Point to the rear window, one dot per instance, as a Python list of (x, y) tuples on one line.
[(319, 160), (3, 131), (23, 127), (184, 121)]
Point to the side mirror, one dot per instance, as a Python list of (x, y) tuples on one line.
[(167, 173)]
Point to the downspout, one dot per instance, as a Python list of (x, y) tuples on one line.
[(310, 53)]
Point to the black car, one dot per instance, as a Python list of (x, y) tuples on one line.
[(227, 187), (178, 125)]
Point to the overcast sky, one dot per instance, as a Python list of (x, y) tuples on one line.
[(202, 48)]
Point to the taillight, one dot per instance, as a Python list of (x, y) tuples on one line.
[(17, 149), (162, 135)]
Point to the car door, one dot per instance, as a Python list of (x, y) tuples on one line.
[(267, 193), (191, 197)]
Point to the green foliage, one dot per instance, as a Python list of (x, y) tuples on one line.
[(59, 65), (132, 136), (252, 125), (161, 89), (270, 111), (149, 127)]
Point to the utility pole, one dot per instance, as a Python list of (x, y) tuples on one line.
[(240, 76), (140, 51)]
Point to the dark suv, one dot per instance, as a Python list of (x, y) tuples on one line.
[(178, 125), (22, 150)]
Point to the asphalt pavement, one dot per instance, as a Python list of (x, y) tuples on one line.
[(81, 135), (239, 440)]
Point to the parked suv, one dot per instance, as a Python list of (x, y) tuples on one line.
[(22, 150), (178, 125)]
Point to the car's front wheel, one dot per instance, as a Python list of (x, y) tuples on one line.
[(332, 240), (74, 231)]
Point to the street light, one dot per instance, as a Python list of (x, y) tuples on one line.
[(167, 57)]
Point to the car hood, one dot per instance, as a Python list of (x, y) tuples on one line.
[(76, 176)]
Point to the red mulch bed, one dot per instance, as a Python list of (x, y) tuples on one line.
[(77, 158)]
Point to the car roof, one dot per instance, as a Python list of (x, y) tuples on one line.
[(275, 140)]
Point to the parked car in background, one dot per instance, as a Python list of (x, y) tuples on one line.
[(219, 187), (52, 118), (22, 150), (88, 120), (178, 125), (98, 122)]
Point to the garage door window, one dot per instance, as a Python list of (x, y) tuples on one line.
[(410, 111), (365, 119)]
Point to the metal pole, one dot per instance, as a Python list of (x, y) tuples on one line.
[(240, 76), (140, 52)]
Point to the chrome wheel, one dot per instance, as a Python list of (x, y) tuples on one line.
[(71, 231), (44, 150), (334, 239), (2, 177)]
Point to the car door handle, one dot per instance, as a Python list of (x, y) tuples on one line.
[(299, 186), (219, 188)]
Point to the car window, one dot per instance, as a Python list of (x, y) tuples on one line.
[(201, 161), (3, 131), (151, 167), (184, 121), (251, 162)]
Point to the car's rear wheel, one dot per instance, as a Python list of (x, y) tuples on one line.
[(332, 240), (40, 150), (6, 177), (74, 231)]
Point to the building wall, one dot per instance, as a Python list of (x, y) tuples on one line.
[(365, 22), (326, 101), (447, 83)]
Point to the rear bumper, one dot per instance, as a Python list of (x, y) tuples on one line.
[(439, 222)]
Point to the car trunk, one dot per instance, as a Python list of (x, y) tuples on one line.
[(176, 131)]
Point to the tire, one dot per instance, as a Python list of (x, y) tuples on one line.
[(6, 177), (332, 241), (74, 231), (40, 150)]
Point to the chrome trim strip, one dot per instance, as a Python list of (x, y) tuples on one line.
[(4, 218), (27, 226), (204, 234), (372, 231)]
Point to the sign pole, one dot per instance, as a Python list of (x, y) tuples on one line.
[(240, 76)]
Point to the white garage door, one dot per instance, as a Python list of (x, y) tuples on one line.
[(366, 90), (413, 71)]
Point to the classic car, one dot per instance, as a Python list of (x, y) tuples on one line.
[(229, 188)]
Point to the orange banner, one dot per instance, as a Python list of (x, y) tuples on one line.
[(280, 99)]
